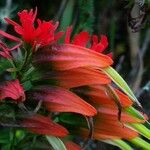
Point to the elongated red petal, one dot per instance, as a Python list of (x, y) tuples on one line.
[(43, 125), (12, 89), (72, 146), (9, 21), (57, 99), (78, 77), (11, 37), (110, 132), (98, 95), (81, 39), (107, 125), (116, 129), (96, 135), (68, 35), (109, 115), (68, 56)]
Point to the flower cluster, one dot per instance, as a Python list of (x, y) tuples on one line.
[(65, 89)]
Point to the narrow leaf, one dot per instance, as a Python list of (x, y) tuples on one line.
[(56, 143), (134, 112), (120, 143), (141, 129), (141, 143)]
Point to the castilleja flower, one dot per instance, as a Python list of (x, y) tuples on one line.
[(39, 36), (67, 78)]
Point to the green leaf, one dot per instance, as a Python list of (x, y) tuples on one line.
[(73, 119), (56, 143), (134, 113), (67, 15), (119, 81), (4, 65), (119, 143), (6, 146), (140, 143), (141, 129), (86, 18), (5, 136)]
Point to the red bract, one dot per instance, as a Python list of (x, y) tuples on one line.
[(12, 89), (43, 125), (69, 56), (39, 36), (57, 99), (99, 96), (77, 77), (107, 126)]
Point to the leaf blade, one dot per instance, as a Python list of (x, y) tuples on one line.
[(56, 143)]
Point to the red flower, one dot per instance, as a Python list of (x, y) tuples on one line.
[(83, 39), (12, 89), (98, 95), (43, 125), (108, 127), (76, 77), (57, 99), (69, 56), (39, 36)]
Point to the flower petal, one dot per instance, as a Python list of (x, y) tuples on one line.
[(57, 99), (97, 94), (12, 89), (81, 39), (68, 56), (11, 37), (111, 115), (43, 125), (77, 77)]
